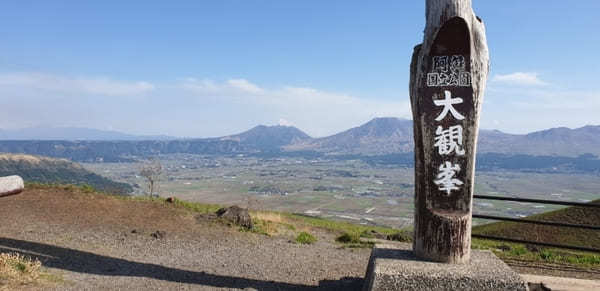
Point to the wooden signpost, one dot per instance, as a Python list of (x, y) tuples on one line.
[(448, 76)]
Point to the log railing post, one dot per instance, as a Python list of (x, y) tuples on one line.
[(448, 76), (11, 185)]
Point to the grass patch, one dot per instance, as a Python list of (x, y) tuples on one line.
[(505, 250), (305, 238), (367, 234), (271, 223), (291, 222), (337, 226), (401, 236), (268, 216), (551, 234), (263, 227), (87, 188), (352, 240), (348, 237), (518, 251), (194, 206), (17, 270)]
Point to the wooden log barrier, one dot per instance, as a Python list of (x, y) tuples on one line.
[(448, 76), (11, 185)]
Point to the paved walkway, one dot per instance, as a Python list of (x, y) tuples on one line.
[(560, 283)]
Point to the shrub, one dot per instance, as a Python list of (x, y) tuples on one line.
[(305, 238), (87, 188), (16, 269), (264, 227), (518, 250), (349, 238), (548, 255), (401, 236)]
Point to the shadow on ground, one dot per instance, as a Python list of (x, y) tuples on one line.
[(86, 262)]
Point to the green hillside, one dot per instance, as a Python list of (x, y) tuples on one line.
[(551, 234), (57, 171)]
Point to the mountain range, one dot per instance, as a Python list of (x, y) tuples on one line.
[(72, 133), (380, 136)]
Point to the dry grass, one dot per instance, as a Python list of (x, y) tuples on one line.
[(17, 270), (269, 216), (272, 223)]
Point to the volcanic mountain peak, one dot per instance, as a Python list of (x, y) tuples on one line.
[(270, 137)]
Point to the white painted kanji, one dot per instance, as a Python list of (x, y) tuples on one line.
[(440, 64), (448, 103), (449, 140), (446, 180), (449, 71), (457, 64)]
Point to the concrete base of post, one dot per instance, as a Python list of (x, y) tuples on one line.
[(395, 267)]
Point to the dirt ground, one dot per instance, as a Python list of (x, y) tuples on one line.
[(98, 242), (101, 243)]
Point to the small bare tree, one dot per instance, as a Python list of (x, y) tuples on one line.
[(152, 170)]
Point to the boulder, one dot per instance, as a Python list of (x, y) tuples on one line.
[(236, 215), (11, 185), (158, 234)]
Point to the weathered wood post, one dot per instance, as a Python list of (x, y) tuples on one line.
[(448, 76)]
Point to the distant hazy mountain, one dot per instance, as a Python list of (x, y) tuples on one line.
[(120, 151), (378, 136), (560, 141), (59, 171), (72, 133), (269, 137), (392, 135)]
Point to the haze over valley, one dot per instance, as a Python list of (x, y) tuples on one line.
[(297, 145), (363, 174)]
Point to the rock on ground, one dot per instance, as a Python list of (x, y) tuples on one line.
[(11, 185), (236, 215)]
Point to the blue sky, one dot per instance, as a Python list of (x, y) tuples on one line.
[(211, 68)]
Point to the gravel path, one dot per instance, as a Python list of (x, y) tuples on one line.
[(88, 240)]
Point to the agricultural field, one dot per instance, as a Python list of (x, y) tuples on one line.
[(349, 190)]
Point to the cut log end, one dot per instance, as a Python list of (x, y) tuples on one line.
[(446, 238), (11, 185)]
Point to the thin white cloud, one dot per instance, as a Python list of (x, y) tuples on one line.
[(203, 107), (244, 86), (284, 122), (520, 79), (187, 107), (98, 86), (523, 109), (316, 111), (560, 100)]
